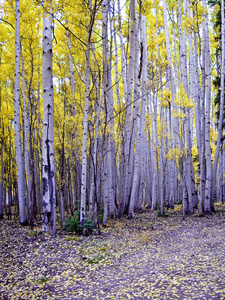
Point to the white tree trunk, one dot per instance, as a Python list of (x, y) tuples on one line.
[(48, 156), (222, 174), (143, 144), (84, 139), (173, 121), (135, 127), (208, 206), (153, 161), (110, 164), (18, 147), (94, 172), (85, 124), (221, 109), (123, 61), (72, 79), (26, 152), (128, 137)]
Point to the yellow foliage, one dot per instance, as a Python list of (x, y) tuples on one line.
[(147, 7), (165, 97), (195, 161), (175, 153), (183, 102), (213, 137), (192, 24)]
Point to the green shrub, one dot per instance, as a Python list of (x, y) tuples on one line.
[(165, 215), (72, 224)]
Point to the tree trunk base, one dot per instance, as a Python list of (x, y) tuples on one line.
[(208, 212), (201, 215), (25, 223)]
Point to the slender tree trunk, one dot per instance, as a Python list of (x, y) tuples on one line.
[(116, 59), (173, 121), (222, 174), (72, 79), (94, 173), (110, 162), (128, 150), (136, 126), (208, 202), (220, 127), (48, 173), (143, 143), (26, 152), (123, 61), (85, 126), (18, 147), (62, 179), (153, 161)]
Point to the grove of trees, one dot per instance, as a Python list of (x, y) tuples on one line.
[(109, 106)]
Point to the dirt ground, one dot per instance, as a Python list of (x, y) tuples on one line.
[(178, 259)]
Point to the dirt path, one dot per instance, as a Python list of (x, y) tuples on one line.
[(179, 259)]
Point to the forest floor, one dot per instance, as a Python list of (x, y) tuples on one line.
[(178, 259)]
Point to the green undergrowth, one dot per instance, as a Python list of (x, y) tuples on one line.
[(72, 224)]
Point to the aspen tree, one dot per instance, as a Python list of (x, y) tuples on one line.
[(143, 144), (85, 122), (48, 156), (172, 169), (37, 167), (117, 27), (158, 146), (128, 136), (183, 79), (116, 58), (93, 190), (62, 175), (26, 156), (123, 62), (208, 202), (192, 94), (202, 154), (135, 124), (94, 199), (173, 121), (196, 87), (220, 127), (222, 174), (199, 121), (153, 163), (84, 139), (109, 167), (72, 79), (18, 147)]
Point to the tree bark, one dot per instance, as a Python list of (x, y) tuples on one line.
[(85, 125), (18, 147), (26, 152), (221, 109), (48, 156), (208, 202)]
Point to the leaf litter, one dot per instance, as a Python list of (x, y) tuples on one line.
[(179, 259)]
